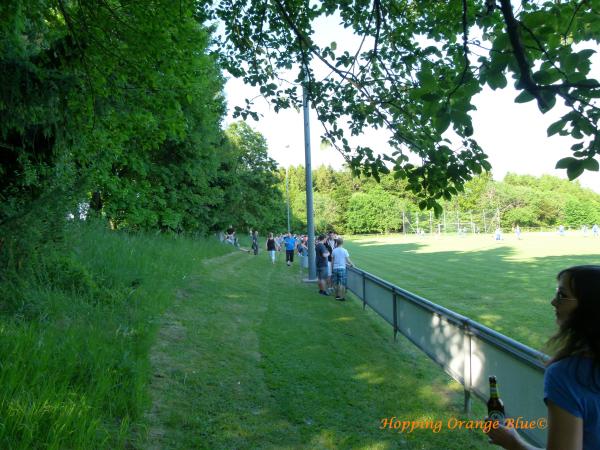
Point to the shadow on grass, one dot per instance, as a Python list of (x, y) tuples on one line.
[(489, 286), (269, 363)]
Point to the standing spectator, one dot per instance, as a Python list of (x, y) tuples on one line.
[(330, 245), (290, 246), (595, 230), (255, 242), (322, 263), (518, 232), (340, 259), (271, 247)]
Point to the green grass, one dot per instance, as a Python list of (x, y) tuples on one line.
[(153, 342), (249, 357), (505, 285), (76, 326)]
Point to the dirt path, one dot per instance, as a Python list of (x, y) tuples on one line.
[(211, 299)]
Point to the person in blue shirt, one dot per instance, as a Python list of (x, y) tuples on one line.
[(572, 378), (290, 246)]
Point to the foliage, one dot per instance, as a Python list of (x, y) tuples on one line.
[(579, 213), (250, 177), (375, 211), (415, 73), (118, 105), (360, 205)]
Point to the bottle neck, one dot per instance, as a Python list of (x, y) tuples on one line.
[(493, 391)]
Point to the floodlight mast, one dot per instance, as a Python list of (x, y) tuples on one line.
[(312, 269), (287, 193)]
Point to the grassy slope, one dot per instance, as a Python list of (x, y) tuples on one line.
[(249, 357), (75, 331), (505, 285)]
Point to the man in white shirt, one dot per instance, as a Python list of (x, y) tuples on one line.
[(340, 259)]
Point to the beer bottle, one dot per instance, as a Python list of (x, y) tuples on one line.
[(495, 405)]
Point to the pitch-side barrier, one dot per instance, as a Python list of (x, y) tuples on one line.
[(468, 351)]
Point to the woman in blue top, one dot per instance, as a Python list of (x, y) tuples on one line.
[(572, 378)]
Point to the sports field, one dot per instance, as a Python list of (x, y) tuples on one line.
[(506, 285)]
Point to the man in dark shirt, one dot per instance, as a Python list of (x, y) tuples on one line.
[(322, 264), (329, 243)]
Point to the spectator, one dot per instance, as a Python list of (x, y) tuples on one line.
[(595, 230), (518, 232), (321, 254), (290, 246), (340, 259), (255, 242), (572, 378), (230, 237), (498, 234), (271, 247), (330, 245)]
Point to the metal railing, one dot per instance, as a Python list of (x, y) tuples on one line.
[(468, 351)]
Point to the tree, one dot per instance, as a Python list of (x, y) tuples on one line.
[(252, 199), (578, 213), (375, 211), (415, 73)]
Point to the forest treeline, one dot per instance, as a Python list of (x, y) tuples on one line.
[(349, 204), (115, 110)]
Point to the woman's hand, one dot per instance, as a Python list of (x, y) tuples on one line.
[(503, 436)]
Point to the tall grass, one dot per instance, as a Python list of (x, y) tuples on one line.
[(76, 324)]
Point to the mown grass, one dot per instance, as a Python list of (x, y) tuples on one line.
[(248, 357), (76, 325), (506, 285)]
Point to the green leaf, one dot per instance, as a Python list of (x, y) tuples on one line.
[(496, 80), (524, 97), (565, 162), (575, 169), (590, 164), (441, 122), (556, 127)]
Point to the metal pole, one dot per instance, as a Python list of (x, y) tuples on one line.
[(430, 223), (484, 223), (444, 221), (312, 268), (287, 192)]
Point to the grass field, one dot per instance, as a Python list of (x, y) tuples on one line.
[(506, 285), (155, 342), (249, 357)]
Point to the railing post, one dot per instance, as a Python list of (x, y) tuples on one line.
[(467, 374), (395, 309), (364, 291)]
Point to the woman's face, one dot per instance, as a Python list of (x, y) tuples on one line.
[(564, 300)]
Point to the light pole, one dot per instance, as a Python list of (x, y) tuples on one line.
[(312, 268), (287, 193)]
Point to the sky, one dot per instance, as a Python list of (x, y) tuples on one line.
[(513, 135)]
